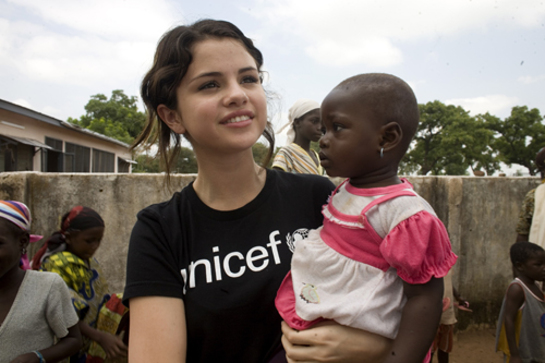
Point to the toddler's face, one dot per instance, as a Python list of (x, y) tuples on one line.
[(350, 145)]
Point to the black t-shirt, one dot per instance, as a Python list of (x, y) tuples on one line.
[(226, 266)]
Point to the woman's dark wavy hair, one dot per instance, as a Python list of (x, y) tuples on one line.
[(172, 59)]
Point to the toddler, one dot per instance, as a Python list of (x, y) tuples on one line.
[(378, 261)]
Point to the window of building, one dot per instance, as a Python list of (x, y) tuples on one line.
[(103, 161), (77, 158), (53, 160)]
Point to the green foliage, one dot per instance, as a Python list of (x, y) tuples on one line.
[(146, 164), (185, 163), (448, 142), (260, 150), (519, 137), (117, 117)]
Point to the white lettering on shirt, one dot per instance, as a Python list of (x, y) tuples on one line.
[(234, 264)]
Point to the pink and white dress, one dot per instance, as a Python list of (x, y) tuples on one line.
[(352, 269)]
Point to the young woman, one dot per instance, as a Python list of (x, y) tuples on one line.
[(204, 267), (305, 126)]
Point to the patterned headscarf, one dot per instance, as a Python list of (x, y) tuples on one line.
[(78, 218), (300, 108), (18, 214)]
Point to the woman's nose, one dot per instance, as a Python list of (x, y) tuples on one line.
[(236, 95)]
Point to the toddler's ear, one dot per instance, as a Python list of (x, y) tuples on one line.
[(391, 135), (172, 118)]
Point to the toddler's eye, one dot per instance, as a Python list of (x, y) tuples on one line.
[(337, 127)]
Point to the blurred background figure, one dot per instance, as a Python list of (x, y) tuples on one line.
[(305, 126)]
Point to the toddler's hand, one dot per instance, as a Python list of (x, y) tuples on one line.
[(113, 346)]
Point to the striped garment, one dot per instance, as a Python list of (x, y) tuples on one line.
[(16, 212), (294, 159)]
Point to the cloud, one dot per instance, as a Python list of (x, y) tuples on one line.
[(23, 103), (530, 79), (84, 43), (499, 105), (348, 32), (114, 19)]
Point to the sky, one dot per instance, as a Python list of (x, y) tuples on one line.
[(483, 55)]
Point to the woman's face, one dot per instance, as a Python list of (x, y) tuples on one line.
[(222, 106), (309, 126), (11, 246)]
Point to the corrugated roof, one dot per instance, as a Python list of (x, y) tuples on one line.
[(55, 122)]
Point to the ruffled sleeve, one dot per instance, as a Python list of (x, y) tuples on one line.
[(419, 249)]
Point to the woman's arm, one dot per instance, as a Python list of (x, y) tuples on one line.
[(67, 346), (331, 342), (157, 330), (513, 301), (419, 322)]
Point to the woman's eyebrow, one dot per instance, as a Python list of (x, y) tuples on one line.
[(216, 74)]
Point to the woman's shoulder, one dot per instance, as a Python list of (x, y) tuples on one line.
[(159, 210), (43, 279)]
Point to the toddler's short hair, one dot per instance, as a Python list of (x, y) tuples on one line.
[(390, 98), (520, 252)]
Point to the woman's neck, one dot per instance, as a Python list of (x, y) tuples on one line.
[(229, 182), (302, 142), (11, 280)]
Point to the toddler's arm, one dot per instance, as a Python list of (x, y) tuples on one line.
[(513, 301), (66, 347), (419, 322)]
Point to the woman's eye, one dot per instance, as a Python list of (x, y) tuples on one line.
[(208, 85), (250, 79)]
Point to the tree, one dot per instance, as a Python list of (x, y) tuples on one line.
[(259, 150), (448, 141), (186, 162), (117, 117), (519, 137), (146, 164)]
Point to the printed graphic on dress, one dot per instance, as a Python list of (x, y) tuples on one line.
[(309, 293), (298, 235)]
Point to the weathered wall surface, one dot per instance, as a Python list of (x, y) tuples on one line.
[(480, 215)]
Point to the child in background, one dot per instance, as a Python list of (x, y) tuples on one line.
[(520, 331), (69, 252), (305, 126), (378, 261), (444, 339), (35, 307)]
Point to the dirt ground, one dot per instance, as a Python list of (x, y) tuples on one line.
[(474, 346)]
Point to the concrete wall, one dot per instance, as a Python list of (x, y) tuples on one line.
[(480, 215)]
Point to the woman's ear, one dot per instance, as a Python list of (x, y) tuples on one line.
[(172, 118), (24, 240), (391, 135)]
